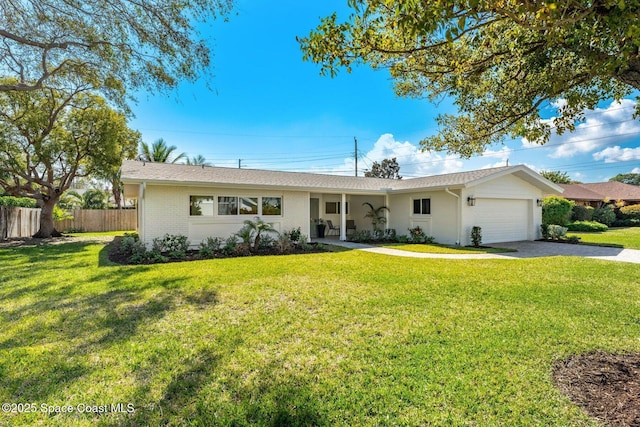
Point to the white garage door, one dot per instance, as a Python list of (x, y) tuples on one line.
[(502, 220)]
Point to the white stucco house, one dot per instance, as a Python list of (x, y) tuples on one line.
[(201, 202)]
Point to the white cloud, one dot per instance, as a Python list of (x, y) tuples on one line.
[(600, 127), (412, 160), (617, 154)]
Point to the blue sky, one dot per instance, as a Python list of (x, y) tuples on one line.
[(266, 106)]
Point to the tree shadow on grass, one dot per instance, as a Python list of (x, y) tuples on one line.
[(189, 399), (53, 335)]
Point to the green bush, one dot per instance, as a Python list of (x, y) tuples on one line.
[(175, 245), (416, 235), (209, 247), (557, 232), (556, 210), (362, 236), (586, 226), (582, 213), (18, 202), (626, 223), (476, 236), (630, 212), (544, 228), (604, 215)]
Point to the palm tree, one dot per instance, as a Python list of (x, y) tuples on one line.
[(259, 226), (376, 215), (198, 160), (159, 152)]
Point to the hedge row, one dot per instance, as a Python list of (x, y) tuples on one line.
[(19, 202)]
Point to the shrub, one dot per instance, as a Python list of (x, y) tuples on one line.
[(134, 250), (209, 247), (582, 213), (604, 215), (630, 212), (362, 236), (266, 242), (230, 245), (294, 234), (626, 223), (574, 240), (476, 236), (18, 202), (403, 239), (390, 234), (586, 226), (284, 242), (557, 232), (416, 235), (544, 229), (556, 210), (175, 245), (303, 242)]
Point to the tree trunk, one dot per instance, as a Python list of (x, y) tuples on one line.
[(47, 226), (631, 76)]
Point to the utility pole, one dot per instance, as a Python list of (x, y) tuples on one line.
[(355, 141), (239, 163)]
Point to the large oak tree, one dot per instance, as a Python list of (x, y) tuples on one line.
[(49, 137), (115, 44), (500, 61)]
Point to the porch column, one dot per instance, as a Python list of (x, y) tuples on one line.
[(343, 218)]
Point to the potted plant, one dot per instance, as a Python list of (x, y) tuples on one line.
[(320, 227)]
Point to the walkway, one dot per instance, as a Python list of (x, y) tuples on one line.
[(525, 249)]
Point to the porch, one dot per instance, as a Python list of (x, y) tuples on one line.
[(338, 209)]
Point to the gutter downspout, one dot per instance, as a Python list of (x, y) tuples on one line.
[(458, 214)]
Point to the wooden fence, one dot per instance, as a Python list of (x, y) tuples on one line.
[(25, 222), (99, 220), (18, 222)]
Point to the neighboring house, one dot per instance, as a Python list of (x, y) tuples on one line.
[(600, 193), (201, 202)]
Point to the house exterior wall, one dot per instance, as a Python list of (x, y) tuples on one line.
[(505, 188), (165, 209), (441, 223)]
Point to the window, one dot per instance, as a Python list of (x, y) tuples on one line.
[(201, 205), (272, 206), (248, 206), (421, 206), (227, 206), (334, 208)]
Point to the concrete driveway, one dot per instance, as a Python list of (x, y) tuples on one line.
[(525, 249), (528, 249)]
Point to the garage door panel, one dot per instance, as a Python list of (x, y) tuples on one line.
[(502, 220)]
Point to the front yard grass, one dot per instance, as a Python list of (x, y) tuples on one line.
[(627, 237), (348, 338), (444, 249)]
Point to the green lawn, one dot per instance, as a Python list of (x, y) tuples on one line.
[(443, 249), (348, 338), (628, 238)]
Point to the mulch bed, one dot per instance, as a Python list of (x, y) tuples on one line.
[(606, 385), (192, 255)]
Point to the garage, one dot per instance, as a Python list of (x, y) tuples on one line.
[(503, 220)]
